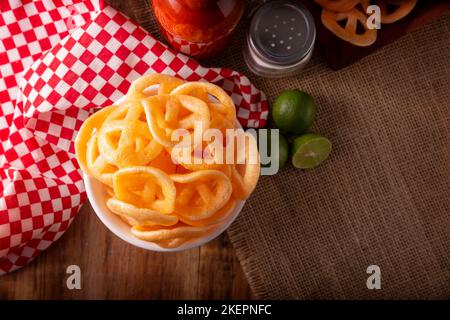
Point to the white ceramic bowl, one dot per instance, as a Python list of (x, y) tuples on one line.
[(98, 196)]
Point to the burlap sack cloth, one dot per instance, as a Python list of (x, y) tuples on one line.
[(382, 198)]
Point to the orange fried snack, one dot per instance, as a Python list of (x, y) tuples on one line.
[(221, 106), (87, 130), (163, 234), (140, 216), (331, 20), (164, 162), (125, 138), (203, 156), (145, 187), (394, 10), (246, 169), (200, 194), (167, 113), (152, 84), (131, 148), (97, 166), (218, 217), (335, 13)]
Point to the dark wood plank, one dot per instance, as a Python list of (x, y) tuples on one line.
[(113, 269), (220, 273)]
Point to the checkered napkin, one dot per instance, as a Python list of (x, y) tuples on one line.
[(59, 61)]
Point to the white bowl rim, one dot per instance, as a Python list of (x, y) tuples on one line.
[(116, 225), (123, 230)]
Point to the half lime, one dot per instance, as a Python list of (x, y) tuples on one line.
[(310, 150)]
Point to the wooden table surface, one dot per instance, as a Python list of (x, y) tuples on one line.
[(113, 269)]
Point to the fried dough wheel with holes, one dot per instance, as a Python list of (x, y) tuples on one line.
[(219, 216), (167, 113), (222, 109), (145, 187), (164, 162), (139, 88), (246, 169), (209, 155), (87, 130), (125, 140), (163, 197), (200, 194), (140, 216), (97, 166), (349, 32), (393, 10), (179, 231)]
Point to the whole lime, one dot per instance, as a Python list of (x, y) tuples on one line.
[(294, 111)]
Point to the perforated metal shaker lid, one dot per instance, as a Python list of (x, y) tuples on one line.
[(282, 32)]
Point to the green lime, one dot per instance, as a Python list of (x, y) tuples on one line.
[(294, 111), (310, 150), (283, 147)]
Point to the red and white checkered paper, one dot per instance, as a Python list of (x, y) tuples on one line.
[(59, 61)]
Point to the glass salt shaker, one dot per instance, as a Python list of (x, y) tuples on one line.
[(280, 39)]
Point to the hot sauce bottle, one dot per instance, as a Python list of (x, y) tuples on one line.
[(199, 28)]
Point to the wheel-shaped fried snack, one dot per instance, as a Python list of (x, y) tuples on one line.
[(178, 231), (246, 170), (166, 197), (219, 102), (167, 113), (140, 216), (145, 187), (349, 33), (164, 162), (97, 166), (200, 194), (89, 127), (393, 10), (338, 5), (219, 120), (218, 217), (204, 156), (139, 88), (125, 139)]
